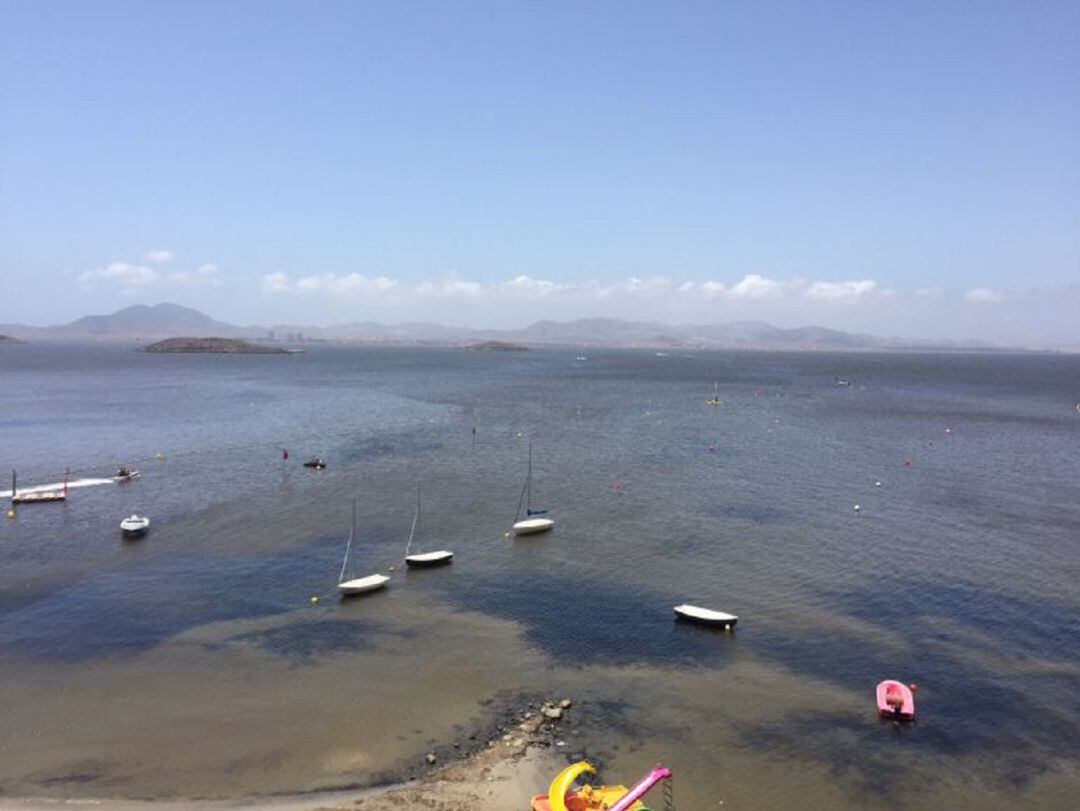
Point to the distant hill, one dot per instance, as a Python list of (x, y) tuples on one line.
[(144, 323), (138, 322), (7, 339)]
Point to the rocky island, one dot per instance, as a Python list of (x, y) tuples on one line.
[(7, 339), (229, 346), (496, 346)]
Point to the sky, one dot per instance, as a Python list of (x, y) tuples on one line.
[(902, 168)]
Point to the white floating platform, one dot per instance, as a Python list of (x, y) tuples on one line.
[(532, 525), (430, 558), (706, 616), (362, 585)]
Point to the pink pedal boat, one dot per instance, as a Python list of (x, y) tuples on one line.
[(895, 700)]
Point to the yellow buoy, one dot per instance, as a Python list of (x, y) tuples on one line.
[(390, 568), (314, 600), (11, 512)]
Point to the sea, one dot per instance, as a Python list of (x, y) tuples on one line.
[(919, 524)]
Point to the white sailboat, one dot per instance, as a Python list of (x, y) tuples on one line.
[(358, 585), (535, 520), (424, 558)]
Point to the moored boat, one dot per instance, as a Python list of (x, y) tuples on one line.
[(534, 521), (430, 558), (357, 585), (706, 616), (895, 700), (134, 525)]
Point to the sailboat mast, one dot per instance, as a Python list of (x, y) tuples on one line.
[(416, 518), (528, 484), (348, 546)]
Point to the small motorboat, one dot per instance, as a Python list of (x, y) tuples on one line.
[(362, 585), (134, 526), (429, 558), (315, 463), (705, 616), (125, 474), (895, 700)]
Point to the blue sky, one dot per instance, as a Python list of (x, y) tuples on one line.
[(910, 168)]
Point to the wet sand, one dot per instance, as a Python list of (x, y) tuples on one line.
[(516, 759)]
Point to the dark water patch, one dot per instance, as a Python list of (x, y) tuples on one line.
[(1019, 725), (870, 757), (99, 773), (581, 622), (1026, 625), (125, 612), (304, 642), (753, 513), (383, 446)]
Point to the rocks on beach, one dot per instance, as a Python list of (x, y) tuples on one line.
[(518, 731)]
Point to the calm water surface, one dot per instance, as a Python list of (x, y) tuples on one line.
[(193, 663)]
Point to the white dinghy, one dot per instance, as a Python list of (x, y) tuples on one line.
[(535, 520), (706, 616), (358, 585), (134, 526), (421, 559)]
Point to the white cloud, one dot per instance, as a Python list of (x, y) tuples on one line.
[(349, 284), (839, 291), (983, 295), (753, 286), (203, 276), (654, 284), (121, 273), (159, 256), (276, 283), (929, 292), (534, 288), (450, 287)]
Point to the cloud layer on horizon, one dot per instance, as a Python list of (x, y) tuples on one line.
[(1029, 316)]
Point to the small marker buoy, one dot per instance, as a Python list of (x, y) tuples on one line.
[(913, 687), (314, 600), (857, 508), (506, 534), (389, 568), (878, 484), (11, 512)]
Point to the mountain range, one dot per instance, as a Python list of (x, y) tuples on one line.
[(140, 323)]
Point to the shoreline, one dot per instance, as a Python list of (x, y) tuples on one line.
[(500, 767)]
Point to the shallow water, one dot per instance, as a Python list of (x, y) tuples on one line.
[(193, 663)]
